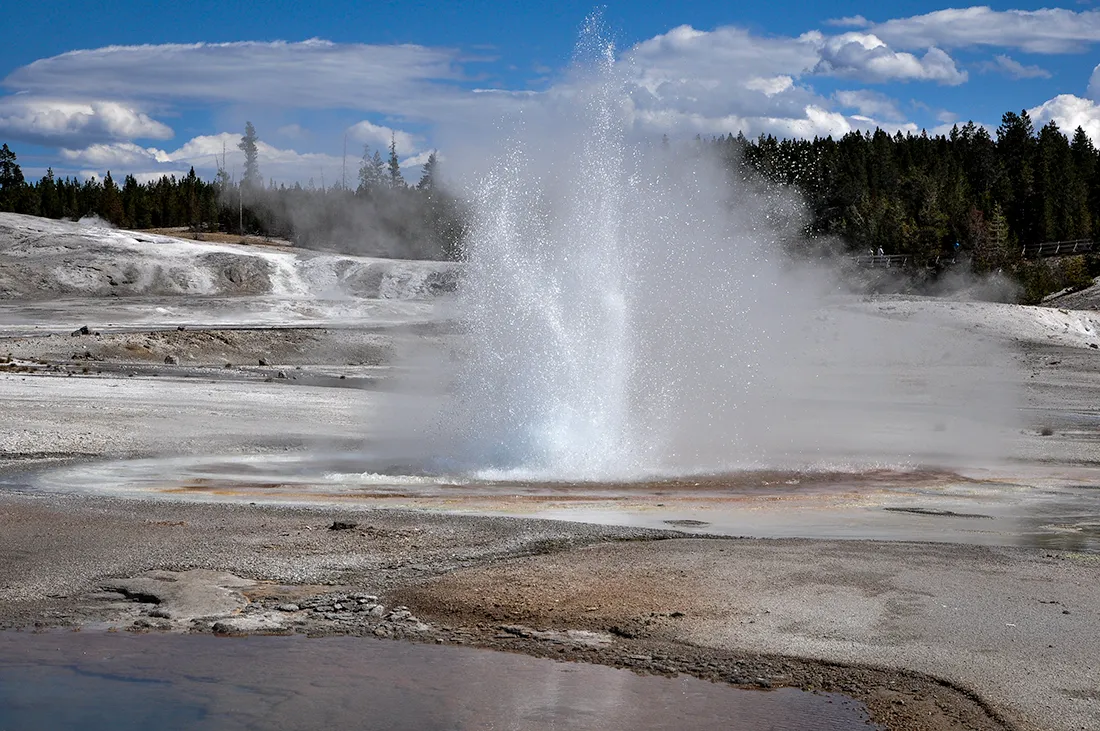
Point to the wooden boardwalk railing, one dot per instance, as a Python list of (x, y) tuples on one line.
[(1059, 248), (882, 261)]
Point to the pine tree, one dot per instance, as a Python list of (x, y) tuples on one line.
[(111, 202), (249, 147), (49, 200), (371, 171), (11, 180), (395, 178), (427, 178)]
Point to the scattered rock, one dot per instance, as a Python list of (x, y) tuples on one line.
[(171, 360), (281, 374), (581, 637), (82, 330)]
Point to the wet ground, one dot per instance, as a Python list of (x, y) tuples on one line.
[(1026, 505), (122, 681)]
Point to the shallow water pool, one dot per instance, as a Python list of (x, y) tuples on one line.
[(121, 681)]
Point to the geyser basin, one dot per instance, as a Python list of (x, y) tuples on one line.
[(1042, 505), (118, 681)]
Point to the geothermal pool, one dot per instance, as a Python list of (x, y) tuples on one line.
[(1038, 506), (121, 681)]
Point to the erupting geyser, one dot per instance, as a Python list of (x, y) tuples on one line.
[(627, 311)]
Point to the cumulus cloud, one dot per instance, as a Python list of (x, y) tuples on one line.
[(1050, 30), (864, 56), (204, 153), (1094, 84), (869, 103), (379, 137), (1069, 112), (1014, 69), (722, 81), (680, 53), (115, 155), (771, 86), (44, 120)]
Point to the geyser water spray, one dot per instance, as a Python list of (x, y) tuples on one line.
[(626, 311)]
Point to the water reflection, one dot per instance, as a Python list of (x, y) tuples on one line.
[(119, 681)]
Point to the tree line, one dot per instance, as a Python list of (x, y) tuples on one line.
[(965, 195), (967, 198), (382, 215)]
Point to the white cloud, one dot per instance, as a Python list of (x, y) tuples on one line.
[(851, 21), (1094, 84), (292, 131), (729, 80), (1050, 30), (1069, 112), (866, 57), (677, 55), (411, 166), (1014, 69), (813, 121), (143, 178), (683, 81), (204, 153), (115, 154), (710, 81), (44, 120), (308, 74), (379, 137), (869, 103), (770, 86)]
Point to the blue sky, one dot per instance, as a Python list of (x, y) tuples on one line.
[(149, 88)]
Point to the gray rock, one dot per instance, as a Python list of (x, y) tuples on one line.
[(288, 608), (187, 594), (263, 361), (171, 360), (281, 374), (246, 625), (82, 330)]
